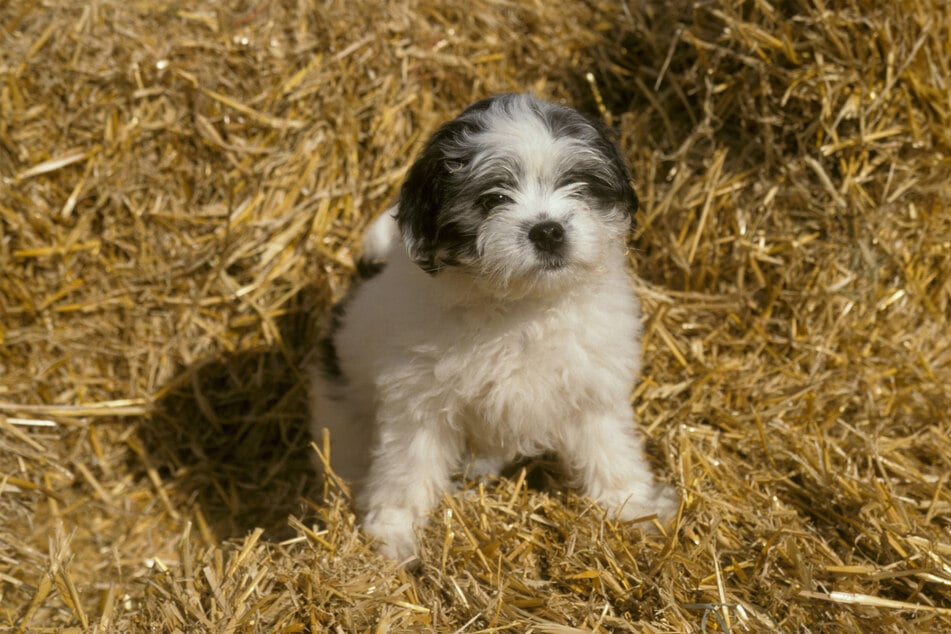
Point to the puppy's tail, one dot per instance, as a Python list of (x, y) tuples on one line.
[(378, 240)]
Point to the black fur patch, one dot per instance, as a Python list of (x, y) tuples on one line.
[(367, 269), (327, 349)]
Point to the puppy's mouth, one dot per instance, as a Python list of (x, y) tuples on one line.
[(551, 263)]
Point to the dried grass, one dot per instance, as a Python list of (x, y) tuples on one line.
[(181, 191)]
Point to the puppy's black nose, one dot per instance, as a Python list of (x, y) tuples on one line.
[(548, 236)]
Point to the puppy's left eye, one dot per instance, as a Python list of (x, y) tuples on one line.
[(490, 201)]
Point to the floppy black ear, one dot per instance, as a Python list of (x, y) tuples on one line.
[(621, 186), (429, 186), (610, 181), (421, 198)]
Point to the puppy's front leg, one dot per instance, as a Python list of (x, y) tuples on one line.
[(607, 458), (411, 468)]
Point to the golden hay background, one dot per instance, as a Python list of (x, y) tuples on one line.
[(181, 193)]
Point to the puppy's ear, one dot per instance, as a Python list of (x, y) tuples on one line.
[(620, 185), (421, 199), (430, 186)]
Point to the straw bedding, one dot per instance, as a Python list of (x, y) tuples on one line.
[(182, 191)]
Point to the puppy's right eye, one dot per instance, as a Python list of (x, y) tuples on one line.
[(490, 201)]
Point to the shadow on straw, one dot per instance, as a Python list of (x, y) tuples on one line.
[(231, 433)]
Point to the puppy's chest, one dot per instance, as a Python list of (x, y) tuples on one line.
[(496, 357), (516, 377)]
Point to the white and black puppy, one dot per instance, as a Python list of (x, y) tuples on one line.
[(503, 325)]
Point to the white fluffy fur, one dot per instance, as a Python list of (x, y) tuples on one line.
[(493, 360)]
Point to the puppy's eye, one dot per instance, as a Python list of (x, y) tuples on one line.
[(579, 189), (490, 201)]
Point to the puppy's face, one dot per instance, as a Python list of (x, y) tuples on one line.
[(525, 196)]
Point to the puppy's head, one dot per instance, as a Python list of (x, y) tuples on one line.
[(522, 194)]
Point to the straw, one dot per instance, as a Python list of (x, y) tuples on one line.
[(182, 194)]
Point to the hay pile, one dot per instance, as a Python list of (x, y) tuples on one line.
[(181, 192)]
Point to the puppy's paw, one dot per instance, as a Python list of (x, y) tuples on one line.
[(666, 502), (393, 528), (641, 501)]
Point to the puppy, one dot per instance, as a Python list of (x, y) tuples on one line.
[(503, 324)]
